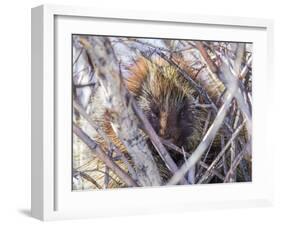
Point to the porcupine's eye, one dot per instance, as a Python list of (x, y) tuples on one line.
[(154, 118), (183, 114), (155, 111), (185, 121)]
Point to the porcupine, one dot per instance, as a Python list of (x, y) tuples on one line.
[(169, 102)]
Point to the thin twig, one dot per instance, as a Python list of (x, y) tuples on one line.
[(201, 163), (206, 57), (234, 135), (246, 68), (224, 163), (236, 162), (90, 179), (103, 172), (85, 85), (77, 58)]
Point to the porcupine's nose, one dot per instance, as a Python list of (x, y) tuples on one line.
[(168, 128), (163, 123), (170, 134)]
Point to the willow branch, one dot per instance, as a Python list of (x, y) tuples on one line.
[(201, 163), (246, 68), (222, 152), (236, 162), (213, 67), (120, 111), (107, 141), (94, 147), (90, 179)]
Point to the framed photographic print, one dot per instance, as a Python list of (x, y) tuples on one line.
[(136, 112)]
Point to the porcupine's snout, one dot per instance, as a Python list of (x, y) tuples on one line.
[(175, 126)]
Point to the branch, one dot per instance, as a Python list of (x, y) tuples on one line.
[(234, 135), (107, 141), (239, 57), (120, 111), (94, 147), (90, 179), (245, 70), (236, 162), (229, 79), (213, 67), (201, 163)]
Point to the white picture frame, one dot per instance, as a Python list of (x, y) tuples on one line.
[(51, 197)]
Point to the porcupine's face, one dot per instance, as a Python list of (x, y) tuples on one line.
[(166, 99), (171, 122)]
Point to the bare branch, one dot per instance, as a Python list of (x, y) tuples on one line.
[(245, 70), (120, 111), (90, 179), (230, 80), (236, 162), (201, 163), (213, 67), (239, 57), (107, 141), (94, 147), (234, 135)]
